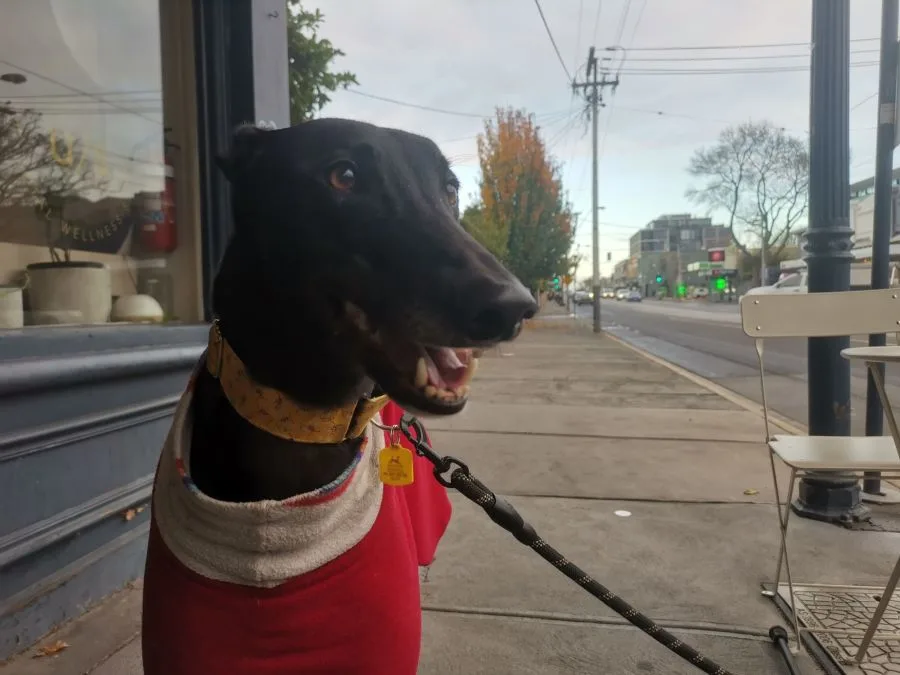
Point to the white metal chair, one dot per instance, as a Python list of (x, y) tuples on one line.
[(805, 315)]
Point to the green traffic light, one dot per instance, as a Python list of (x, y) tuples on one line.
[(720, 284), (659, 279)]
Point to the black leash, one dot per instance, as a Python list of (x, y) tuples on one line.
[(503, 513), (780, 638)]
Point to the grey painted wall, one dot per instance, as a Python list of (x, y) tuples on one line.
[(81, 432)]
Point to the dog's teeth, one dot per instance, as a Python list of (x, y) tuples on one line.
[(431, 391), (461, 392), (421, 373)]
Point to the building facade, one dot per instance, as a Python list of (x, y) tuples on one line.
[(626, 271), (113, 219), (669, 243)]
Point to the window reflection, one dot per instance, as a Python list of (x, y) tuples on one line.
[(87, 190)]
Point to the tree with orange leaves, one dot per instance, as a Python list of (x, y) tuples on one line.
[(523, 216)]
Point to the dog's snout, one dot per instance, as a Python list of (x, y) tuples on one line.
[(500, 318)]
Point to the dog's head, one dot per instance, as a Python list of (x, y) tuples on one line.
[(363, 222)]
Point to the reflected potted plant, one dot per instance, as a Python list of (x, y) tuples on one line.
[(66, 291)]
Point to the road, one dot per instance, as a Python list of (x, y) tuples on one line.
[(707, 339)]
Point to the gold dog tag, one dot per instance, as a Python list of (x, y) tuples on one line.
[(395, 465)]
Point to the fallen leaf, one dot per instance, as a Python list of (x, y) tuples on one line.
[(51, 650), (751, 491), (130, 514)]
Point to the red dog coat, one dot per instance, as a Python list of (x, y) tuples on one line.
[(326, 582)]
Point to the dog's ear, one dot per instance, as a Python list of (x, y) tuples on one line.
[(246, 141)]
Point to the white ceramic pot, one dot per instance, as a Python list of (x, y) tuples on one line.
[(11, 314), (69, 292)]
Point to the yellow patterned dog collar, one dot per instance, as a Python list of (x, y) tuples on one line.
[(271, 411)]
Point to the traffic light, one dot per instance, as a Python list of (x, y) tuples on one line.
[(659, 278), (682, 290), (556, 283), (716, 255), (720, 284)]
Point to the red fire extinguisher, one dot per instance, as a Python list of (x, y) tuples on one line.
[(158, 231)]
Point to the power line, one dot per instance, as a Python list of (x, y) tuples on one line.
[(578, 34), (622, 21), (443, 111), (406, 104), (770, 45), (549, 119), (865, 100), (91, 95), (565, 68), (76, 90), (597, 20), (756, 57), (733, 71), (637, 23)]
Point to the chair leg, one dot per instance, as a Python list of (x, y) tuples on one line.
[(782, 515), (787, 560), (783, 556), (879, 612)]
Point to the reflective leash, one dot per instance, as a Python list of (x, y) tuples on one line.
[(503, 513)]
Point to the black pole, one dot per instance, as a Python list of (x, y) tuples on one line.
[(882, 226), (827, 495)]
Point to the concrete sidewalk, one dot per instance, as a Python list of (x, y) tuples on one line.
[(654, 484)]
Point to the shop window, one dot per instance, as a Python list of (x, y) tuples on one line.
[(93, 225)]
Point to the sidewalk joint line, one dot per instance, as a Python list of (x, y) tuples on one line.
[(695, 627), (547, 434)]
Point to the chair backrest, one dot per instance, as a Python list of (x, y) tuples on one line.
[(786, 315)]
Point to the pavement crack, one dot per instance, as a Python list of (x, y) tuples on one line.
[(640, 500), (692, 627), (486, 432)]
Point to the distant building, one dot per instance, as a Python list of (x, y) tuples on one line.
[(669, 243), (626, 271)]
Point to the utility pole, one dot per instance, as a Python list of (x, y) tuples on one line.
[(593, 89), (882, 225), (830, 496)]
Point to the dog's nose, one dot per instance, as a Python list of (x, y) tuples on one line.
[(500, 318)]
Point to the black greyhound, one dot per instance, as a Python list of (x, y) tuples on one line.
[(348, 280), (348, 267)]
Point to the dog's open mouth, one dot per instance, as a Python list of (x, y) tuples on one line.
[(427, 378), (443, 373)]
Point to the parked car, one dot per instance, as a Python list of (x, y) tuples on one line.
[(791, 283), (634, 295), (701, 292), (622, 293), (583, 297), (608, 293)]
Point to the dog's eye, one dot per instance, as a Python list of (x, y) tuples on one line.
[(342, 176)]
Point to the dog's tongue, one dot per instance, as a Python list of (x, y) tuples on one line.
[(445, 369)]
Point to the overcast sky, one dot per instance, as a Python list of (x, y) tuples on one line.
[(468, 56)]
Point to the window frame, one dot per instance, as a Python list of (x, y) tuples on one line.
[(241, 74)]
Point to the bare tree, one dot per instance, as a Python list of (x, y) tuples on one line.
[(759, 176), (40, 169)]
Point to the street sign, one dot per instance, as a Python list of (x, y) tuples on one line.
[(723, 273)]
